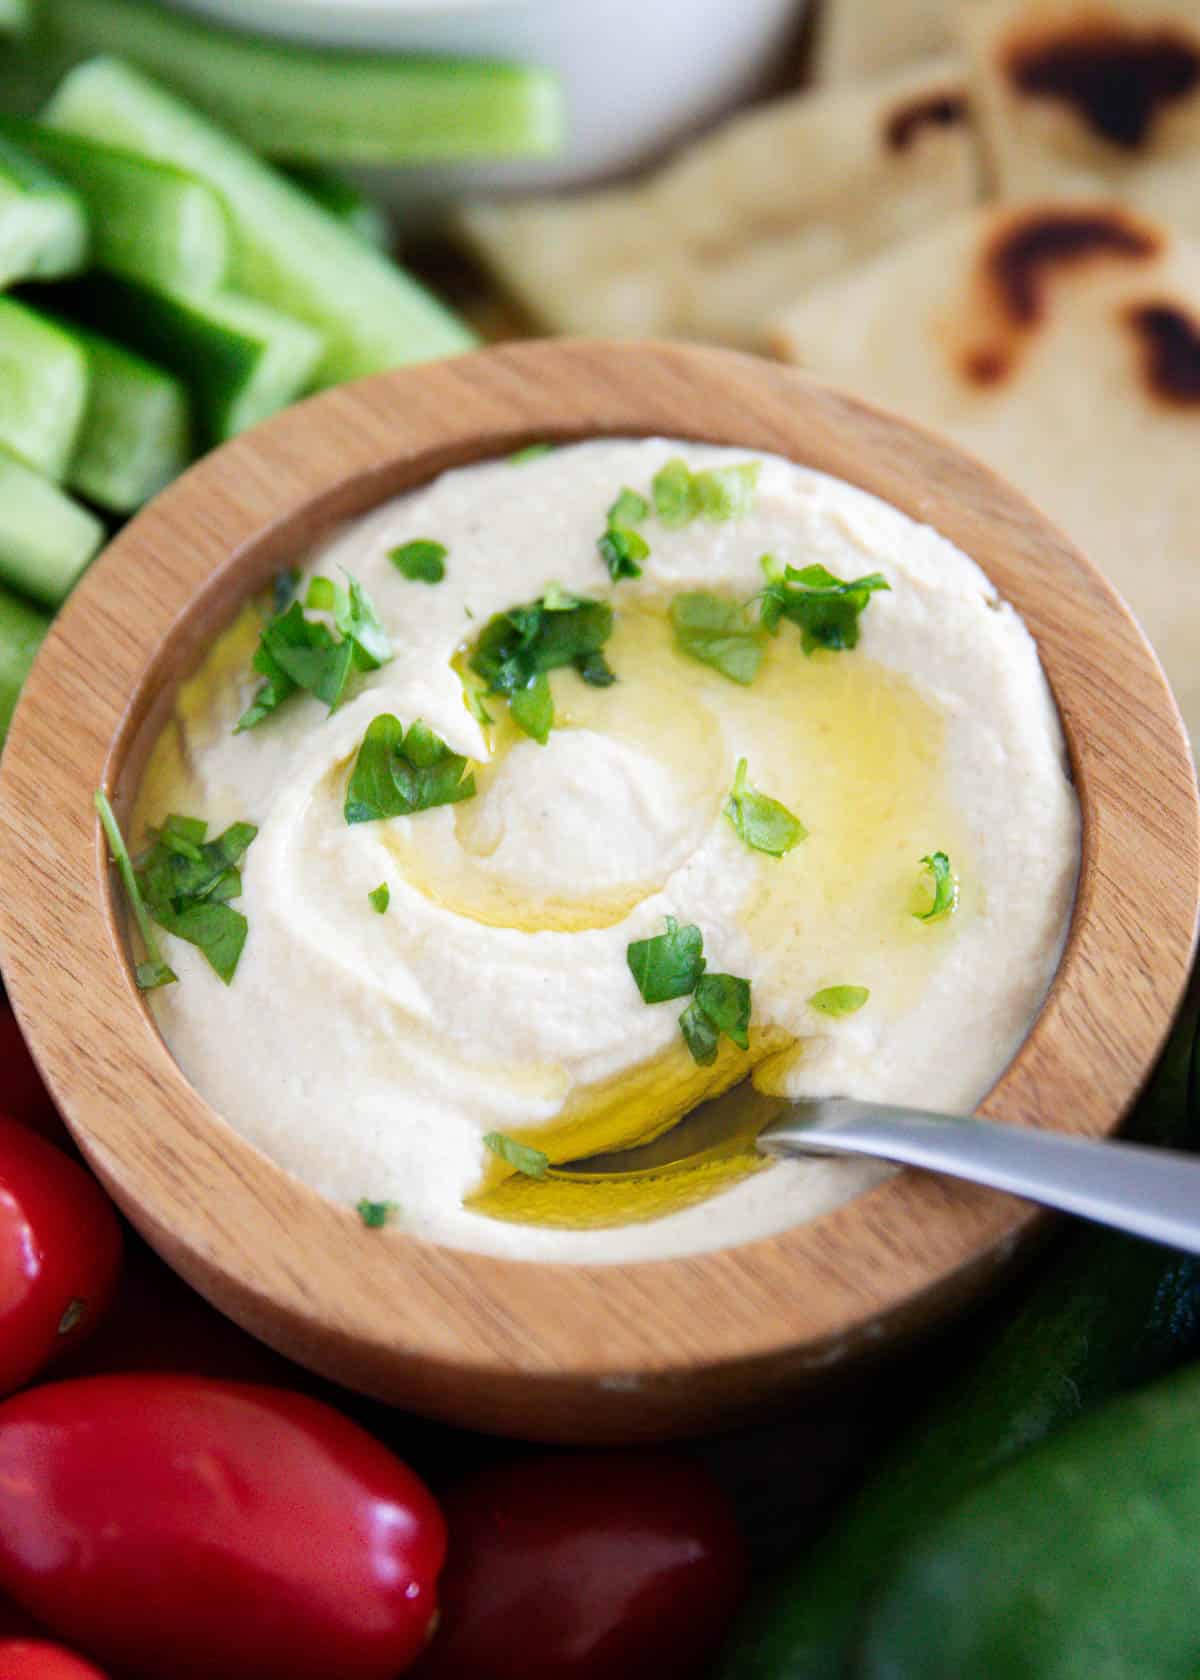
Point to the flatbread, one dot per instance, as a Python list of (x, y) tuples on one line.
[(857, 38), (1060, 343), (1089, 98), (711, 245)]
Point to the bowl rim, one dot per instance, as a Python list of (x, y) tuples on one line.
[(561, 1349)]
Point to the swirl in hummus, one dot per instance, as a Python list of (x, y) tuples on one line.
[(370, 1051)]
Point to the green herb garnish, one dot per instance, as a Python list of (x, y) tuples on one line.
[(669, 965), (283, 590), (515, 650), (839, 1000), (532, 1162), (398, 773), (531, 452), (295, 652), (187, 882), (422, 560), (154, 971), (381, 897), (945, 888), (717, 633), (717, 493), (721, 1004), (375, 1215), (621, 547), (760, 821), (825, 608)]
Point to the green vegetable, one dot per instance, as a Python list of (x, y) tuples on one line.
[(187, 882), (669, 965), (46, 541), (22, 629), (136, 433), (721, 1004), (342, 200), (717, 493), (839, 1000), (531, 452), (43, 226), (14, 16), (621, 547), (532, 1162), (43, 389), (760, 821), (421, 561), (945, 888), (287, 253), (716, 632), (826, 609), (381, 898), (154, 970), (375, 1215), (397, 774), (296, 653), (355, 616), (1075, 1563), (515, 650)]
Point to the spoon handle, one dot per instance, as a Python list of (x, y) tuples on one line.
[(1152, 1193)]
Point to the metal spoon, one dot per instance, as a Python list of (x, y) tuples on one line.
[(1150, 1192)]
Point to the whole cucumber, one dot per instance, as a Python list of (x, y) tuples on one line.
[(1078, 1563), (1109, 1312)]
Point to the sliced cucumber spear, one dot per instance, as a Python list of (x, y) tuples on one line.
[(312, 104), (43, 389), (136, 434), (288, 253), (342, 200), (46, 540), (43, 225), (22, 629), (240, 360), (14, 16), (149, 219)]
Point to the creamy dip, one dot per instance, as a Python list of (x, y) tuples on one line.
[(370, 1053)]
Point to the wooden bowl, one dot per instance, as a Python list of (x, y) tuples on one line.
[(561, 1352)]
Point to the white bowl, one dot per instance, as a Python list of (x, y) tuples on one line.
[(636, 73)]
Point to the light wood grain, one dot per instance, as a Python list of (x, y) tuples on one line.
[(562, 1352)]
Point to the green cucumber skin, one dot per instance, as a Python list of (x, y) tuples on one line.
[(1078, 1563), (46, 539), (1109, 1313), (43, 389), (342, 200), (22, 629), (44, 229), (313, 105), (14, 16), (150, 220), (288, 253), (137, 431)]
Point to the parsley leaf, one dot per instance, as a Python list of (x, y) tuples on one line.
[(717, 633), (187, 882), (699, 1034), (825, 608), (375, 1215), (421, 561), (515, 649), (945, 888), (721, 1005), (295, 652), (839, 1000), (621, 547), (381, 897), (532, 1162), (531, 452), (398, 773), (154, 971), (284, 588), (355, 616), (717, 493), (763, 823), (669, 965)]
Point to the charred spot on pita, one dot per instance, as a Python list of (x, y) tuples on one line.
[(1170, 341), (1117, 78), (1025, 253), (986, 367), (938, 110)]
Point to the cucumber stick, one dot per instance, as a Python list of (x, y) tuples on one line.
[(22, 629), (287, 252), (240, 360), (43, 226), (43, 389), (46, 540), (149, 219), (136, 433), (342, 200), (14, 16), (313, 104)]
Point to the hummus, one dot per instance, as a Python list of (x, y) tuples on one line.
[(370, 1053)]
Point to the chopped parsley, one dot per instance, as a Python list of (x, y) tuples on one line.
[(717, 632), (622, 548), (531, 452), (187, 882), (295, 652), (945, 888), (375, 1215), (672, 965), (515, 650), (283, 590), (421, 561), (398, 773), (717, 493), (154, 970), (839, 1000), (380, 898), (532, 1162), (763, 823), (721, 1004), (669, 965), (825, 608)]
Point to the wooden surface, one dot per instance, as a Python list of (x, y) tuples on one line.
[(561, 1352)]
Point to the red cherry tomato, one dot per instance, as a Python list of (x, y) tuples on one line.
[(60, 1252), (205, 1530), (22, 1094), (34, 1659), (586, 1567)]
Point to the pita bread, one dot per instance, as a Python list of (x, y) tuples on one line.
[(713, 244), (1061, 343), (1096, 98), (857, 38)]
